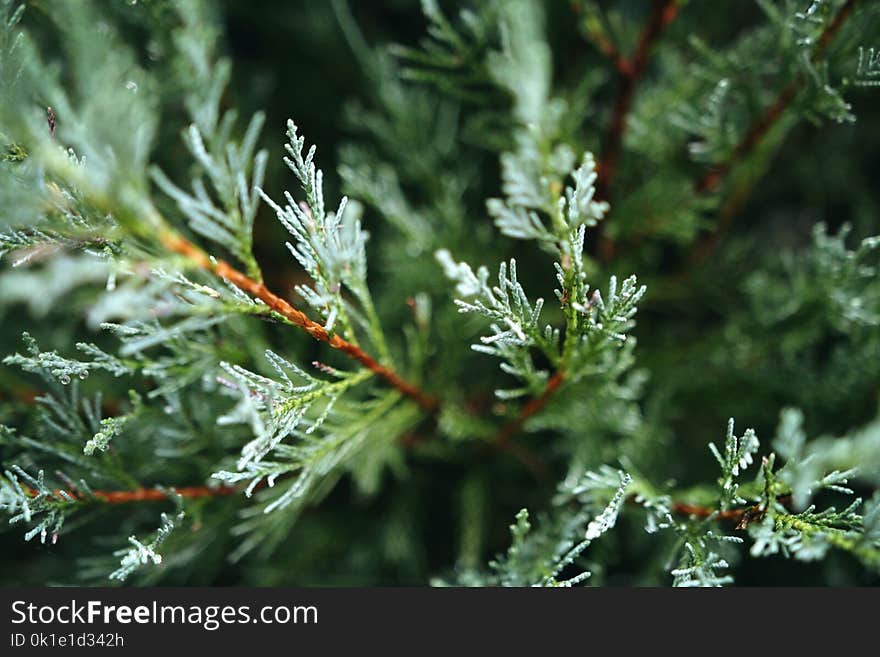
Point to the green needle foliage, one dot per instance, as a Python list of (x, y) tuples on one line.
[(446, 383)]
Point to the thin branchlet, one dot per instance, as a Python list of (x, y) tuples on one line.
[(174, 242)]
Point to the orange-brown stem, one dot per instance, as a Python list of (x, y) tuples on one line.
[(730, 515), (756, 133), (621, 63), (704, 248), (534, 405), (258, 289), (532, 463), (605, 45), (662, 13), (742, 517), (607, 48), (144, 494), (24, 396)]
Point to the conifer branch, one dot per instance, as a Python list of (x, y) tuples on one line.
[(534, 406), (184, 247), (712, 179), (741, 517), (605, 45), (527, 458), (503, 439), (22, 396), (142, 494), (703, 249), (535, 465), (662, 14), (621, 64), (257, 440), (618, 311)]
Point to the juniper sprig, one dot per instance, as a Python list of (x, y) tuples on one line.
[(560, 245)]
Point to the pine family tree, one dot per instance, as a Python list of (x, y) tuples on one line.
[(558, 245)]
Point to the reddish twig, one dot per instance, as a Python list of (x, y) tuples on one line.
[(521, 454), (143, 494), (525, 456), (22, 396), (534, 405), (224, 270), (705, 247), (662, 13), (605, 45), (621, 64), (742, 517), (756, 133), (502, 439), (833, 28)]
